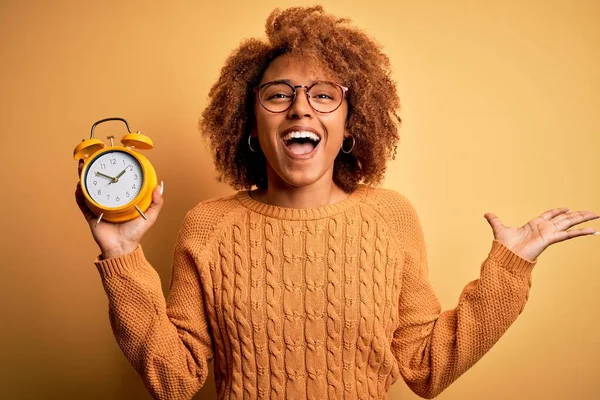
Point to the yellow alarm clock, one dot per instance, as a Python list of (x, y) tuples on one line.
[(116, 181)]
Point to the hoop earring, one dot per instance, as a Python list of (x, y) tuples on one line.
[(250, 145), (351, 148)]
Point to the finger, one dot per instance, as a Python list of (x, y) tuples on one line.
[(573, 233), (548, 215), (572, 218), (80, 199), (80, 167), (157, 203), (494, 221)]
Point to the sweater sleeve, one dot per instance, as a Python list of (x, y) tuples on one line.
[(168, 342), (434, 348)]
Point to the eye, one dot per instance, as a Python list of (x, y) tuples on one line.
[(277, 92), (324, 92), (279, 96)]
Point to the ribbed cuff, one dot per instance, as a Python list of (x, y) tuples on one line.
[(122, 264), (510, 261)]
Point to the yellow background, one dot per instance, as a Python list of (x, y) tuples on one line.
[(501, 113)]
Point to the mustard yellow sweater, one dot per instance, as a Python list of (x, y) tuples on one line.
[(331, 302)]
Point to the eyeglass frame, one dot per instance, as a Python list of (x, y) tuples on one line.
[(295, 92)]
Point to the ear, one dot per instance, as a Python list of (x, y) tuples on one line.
[(254, 131)]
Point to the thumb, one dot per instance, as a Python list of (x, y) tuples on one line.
[(494, 222), (157, 202)]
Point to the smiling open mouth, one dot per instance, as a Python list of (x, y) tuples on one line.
[(301, 143)]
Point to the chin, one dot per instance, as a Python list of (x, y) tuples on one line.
[(300, 179)]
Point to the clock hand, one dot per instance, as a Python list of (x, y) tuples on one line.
[(116, 178), (104, 175), (121, 174)]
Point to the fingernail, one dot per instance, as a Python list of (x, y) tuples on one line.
[(162, 187)]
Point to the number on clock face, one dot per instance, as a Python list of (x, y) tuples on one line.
[(114, 179)]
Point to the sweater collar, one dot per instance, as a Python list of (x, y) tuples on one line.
[(299, 214)]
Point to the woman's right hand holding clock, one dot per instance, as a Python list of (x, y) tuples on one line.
[(117, 239)]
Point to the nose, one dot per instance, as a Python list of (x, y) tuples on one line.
[(300, 107)]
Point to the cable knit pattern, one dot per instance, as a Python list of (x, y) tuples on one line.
[(274, 308), (242, 315), (365, 293), (235, 359), (293, 306), (377, 346), (351, 316), (331, 302), (315, 307), (334, 320), (258, 301)]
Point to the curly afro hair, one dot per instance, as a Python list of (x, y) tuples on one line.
[(353, 59)]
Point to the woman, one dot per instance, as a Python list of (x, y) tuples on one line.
[(314, 284)]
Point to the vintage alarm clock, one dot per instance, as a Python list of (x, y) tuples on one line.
[(116, 181)]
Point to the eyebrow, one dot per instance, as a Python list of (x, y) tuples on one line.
[(289, 82)]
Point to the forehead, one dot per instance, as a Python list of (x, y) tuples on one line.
[(297, 69)]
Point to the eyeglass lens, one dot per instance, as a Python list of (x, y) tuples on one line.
[(322, 96)]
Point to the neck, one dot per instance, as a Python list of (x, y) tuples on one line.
[(281, 194)]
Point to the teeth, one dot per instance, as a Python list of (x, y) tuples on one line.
[(301, 135)]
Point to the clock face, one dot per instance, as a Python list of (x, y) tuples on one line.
[(114, 179)]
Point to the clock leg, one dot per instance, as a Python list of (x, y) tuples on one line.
[(141, 212), (98, 220)]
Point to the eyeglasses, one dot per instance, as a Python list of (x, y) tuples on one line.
[(278, 96)]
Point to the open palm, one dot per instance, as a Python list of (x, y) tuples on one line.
[(552, 226)]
